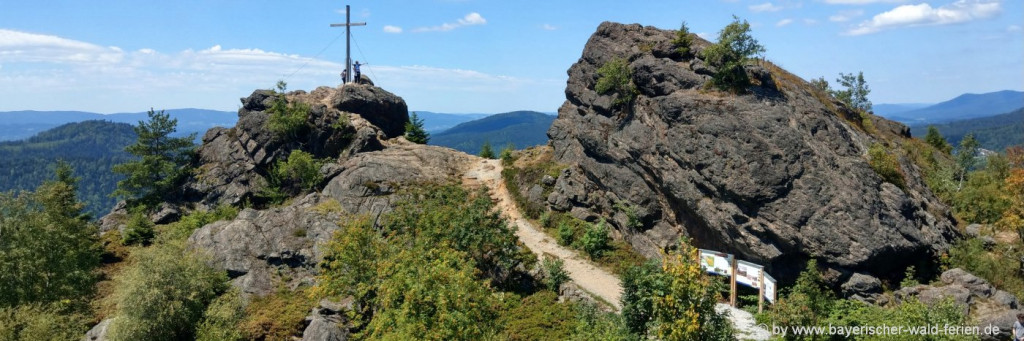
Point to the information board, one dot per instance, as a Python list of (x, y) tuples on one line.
[(719, 263), (769, 288), (748, 274)]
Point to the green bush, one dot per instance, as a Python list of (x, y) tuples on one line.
[(222, 318), (808, 303), (537, 317), (566, 234), (935, 139), (592, 324), (730, 54), (595, 240), (138, 229), (41, 322), (277, 316), (886, 165), (640, 284), (554, 273), (163, 293), (300, 170), (414, 131), (287, 120), (616, 77), (686, 309), (486, 151), (184, 227), (506, 154), (683, 40)]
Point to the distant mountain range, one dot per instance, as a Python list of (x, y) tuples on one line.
[(993, 132), (963, 107), (437, 122), (17, 125), (520, 128)]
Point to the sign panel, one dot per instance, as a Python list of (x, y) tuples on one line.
[(769, 288), (748, 274), (719, 263)]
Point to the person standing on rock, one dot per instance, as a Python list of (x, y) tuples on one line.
[(1018, 328), (357, 73), (344, 77)]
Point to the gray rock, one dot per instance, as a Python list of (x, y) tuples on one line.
[(259, 249), (1005, 299), (862, 285), (99, 331), (973, 230), (116, 219), (326, 323), (987, 242), (535, 194), (383, 109), (165, 214), (1002, 319), (977, 286), (547, 180), (776, 176)]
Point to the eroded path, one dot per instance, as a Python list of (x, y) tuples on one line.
[(585, 274)]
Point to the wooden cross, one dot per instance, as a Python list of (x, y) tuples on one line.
[(348, 36)]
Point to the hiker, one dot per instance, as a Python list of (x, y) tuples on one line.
[(357, 73), (1018, 328), (344, 77)]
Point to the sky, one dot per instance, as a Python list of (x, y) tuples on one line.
[(470, 56)]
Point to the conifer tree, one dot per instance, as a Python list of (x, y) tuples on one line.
[(414, 130), (162, 160)]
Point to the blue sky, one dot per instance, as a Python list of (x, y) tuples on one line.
[(468, 56)]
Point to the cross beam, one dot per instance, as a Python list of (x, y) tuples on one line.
[(348, 37)]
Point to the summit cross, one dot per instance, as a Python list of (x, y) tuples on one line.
[(348, 37)]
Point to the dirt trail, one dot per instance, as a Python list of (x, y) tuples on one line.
[(586, 275)]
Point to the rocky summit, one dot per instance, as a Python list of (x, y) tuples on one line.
[(778, 174)]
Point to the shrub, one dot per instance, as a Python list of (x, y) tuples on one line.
[(640, 285), (184, 227), (935, 139), (595, 239), (299, 170), (808, 302), (683, 41), (138, 230), (554, 273), (163, 294), (686, 310), (537, 317), (277, 316), (486, 151), (414, 131), (856, 91), (592, 324), (733, 50), (566, 234), (222, 318), (616, 77), (506, 154), (287, 120), (40, 322), (886, 165)]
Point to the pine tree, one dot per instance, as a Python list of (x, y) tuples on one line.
[(486, 151), (935, 139), (856, 93), (414, 130), (162, 160)]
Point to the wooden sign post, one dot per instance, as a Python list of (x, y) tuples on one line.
[(732, 284), (760, 293)]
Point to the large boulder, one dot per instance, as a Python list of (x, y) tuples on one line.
[(986, 306), (777, 175), (380, 107)]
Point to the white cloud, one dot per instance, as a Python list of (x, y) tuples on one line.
[(17, 46), (810, 22), (783, 22), (1013, 28), (470, 19), (705, 35), (843, 16), (924, 14), (861, 2), (548, 27), (765, 7), (392, 29)]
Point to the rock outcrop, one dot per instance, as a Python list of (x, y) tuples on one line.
[(983, 303), (777, 175)]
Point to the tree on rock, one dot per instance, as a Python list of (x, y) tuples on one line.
[(856, 93), (414, 131), (734, 49), (163, 161), (486, 151)]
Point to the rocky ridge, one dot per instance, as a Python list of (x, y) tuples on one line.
[(777, 175)]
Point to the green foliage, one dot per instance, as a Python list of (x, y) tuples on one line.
[(277, 316), (808, 302), (595, 240), (821, 84), (886, 165), (554, 273), (300, 170), (999, 266), (90, 147), (632, 216), (616, 77), (537, 317), (486, 151), (935, 139), (735, 47), (686, 310), (183, 228), (908, 314), (163, 161), (640, 285), (222, 318), (993, 132), (163, 293), (40, 322), (683, 40), (566, 234), (138, 229), (506, 154), (287, 120), (527, 176), (909, 278), (965, 158), (593, 324), (855, 92), (983, 199), (48, 249), (414, 131)]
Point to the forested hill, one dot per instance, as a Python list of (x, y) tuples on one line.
[(91, 147), (520, 128), (993, 132)]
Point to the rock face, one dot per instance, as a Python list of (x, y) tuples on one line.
[(260, 248), (777, 175)]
